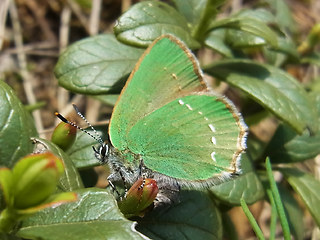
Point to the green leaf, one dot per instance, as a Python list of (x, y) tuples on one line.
[(283, 14), (215, 41), (313, 58), (249, 25), (246, 186), (286, 146), (6, 182), (194, 217), (260, 14), (16, 127), (81, 152), (145, 21), (53, 201), (94, 216), (288, 47), (192, 10), (307, 187), (255, 148), (274, 89), (199, 14), (96, 65), (109, 99), (240, 39), (70, 179)]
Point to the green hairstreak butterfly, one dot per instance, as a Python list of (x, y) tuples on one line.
[(169, 126), (169, 121)]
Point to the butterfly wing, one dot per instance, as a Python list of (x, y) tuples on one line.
[(163, 117), (165, 71), (193, 138)]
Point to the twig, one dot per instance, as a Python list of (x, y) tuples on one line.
[(4, 5), (125, 5), (26, 76), (39, 15), (95, 17), (63, 95), (92, 110), (77, 11)]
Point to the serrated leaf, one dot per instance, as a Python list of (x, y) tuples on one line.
[(16, 127), (194, 217), (145, 21), (249, 25), (307, 187), (274, 89), (96, 65), (246, 186), (94, 216), (81, 152), (70, 179)]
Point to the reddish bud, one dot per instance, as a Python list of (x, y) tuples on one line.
[(64, 135), (140, 196)]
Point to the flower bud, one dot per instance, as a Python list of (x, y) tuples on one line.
[(64, 135), (35, 178), (140, 196)]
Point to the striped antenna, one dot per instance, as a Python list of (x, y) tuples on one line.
[(98, 138), (102, 152), (63, 119)]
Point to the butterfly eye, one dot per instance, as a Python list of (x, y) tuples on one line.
[(103, 152)]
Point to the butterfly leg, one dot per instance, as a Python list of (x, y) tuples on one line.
[(124, 183), (142, 174), (114, 189)]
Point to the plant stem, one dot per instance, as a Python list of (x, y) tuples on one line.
[(7, 221), (274, 215), (251, 219), (205, 19), (278, 202)]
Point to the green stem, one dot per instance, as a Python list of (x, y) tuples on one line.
[(202, 27), (252, 220), (274, 215), (7, 220), (278, 202)]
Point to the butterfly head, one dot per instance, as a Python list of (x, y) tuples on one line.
[(102, 152)]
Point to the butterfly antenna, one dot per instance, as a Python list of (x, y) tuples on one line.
[(63, 119), (98, 137)]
